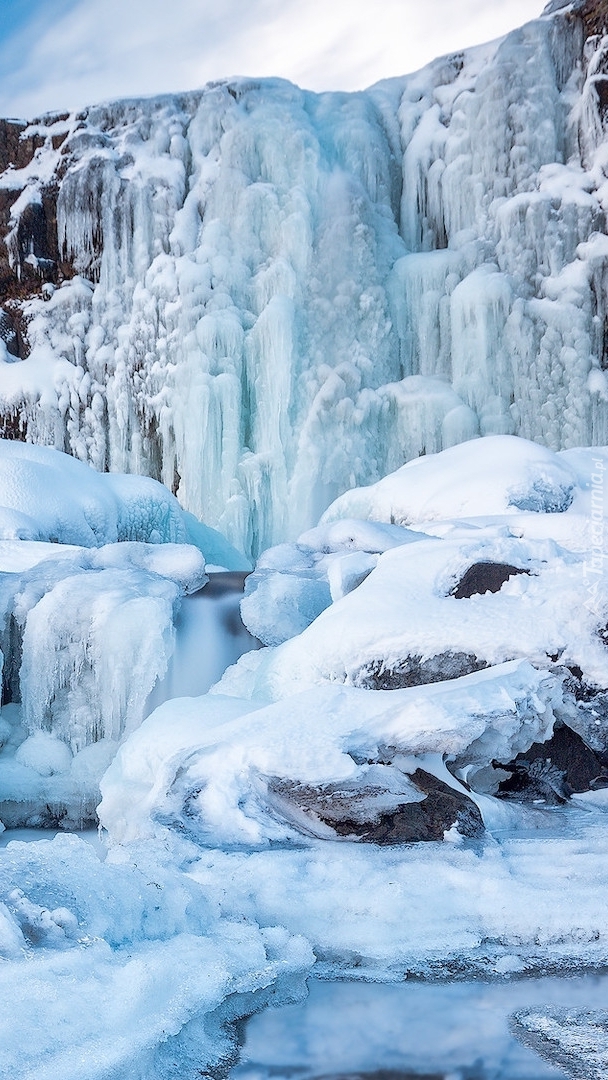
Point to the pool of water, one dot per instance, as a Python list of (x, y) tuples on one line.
[(451, 1031), (33, 835)]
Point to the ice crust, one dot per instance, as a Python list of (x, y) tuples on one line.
[(128, 965), (46, 495), (281, 295), (576, 1040)]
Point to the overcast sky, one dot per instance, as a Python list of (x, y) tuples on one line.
[(57, 54)]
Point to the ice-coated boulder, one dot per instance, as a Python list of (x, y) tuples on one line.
[(293, 583)]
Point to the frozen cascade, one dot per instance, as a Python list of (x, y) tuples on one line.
[(279, 295), (100, 604), (210, 636)]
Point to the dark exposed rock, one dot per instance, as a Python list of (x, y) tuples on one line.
[(414, 671), (34, 257), (483, 577), (590, 719), (8, 333), (553, 770), (594, 14), (34, 813), (13, 426), (426, 818), (16, 149), (578, 686), (229, 581)]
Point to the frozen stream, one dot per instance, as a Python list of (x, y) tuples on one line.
[(447, 1031)]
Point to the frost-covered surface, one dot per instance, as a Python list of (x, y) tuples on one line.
[(93, 639), (574, 1039), (280, 295), (86, 633)]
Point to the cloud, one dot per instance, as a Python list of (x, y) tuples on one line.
[(89, 52)]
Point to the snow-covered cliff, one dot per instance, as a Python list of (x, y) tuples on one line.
[(268, 296)]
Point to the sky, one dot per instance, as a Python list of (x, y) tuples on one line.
[(61, 54)]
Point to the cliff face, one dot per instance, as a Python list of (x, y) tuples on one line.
[(264, 296)]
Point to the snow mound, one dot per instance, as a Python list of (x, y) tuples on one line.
[(46, 495), (406, 623), (497, 475)]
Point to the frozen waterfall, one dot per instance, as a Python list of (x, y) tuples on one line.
[(270, 296)]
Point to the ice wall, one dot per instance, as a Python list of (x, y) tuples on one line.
[(280, 295)]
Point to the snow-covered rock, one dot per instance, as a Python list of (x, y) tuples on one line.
[(293, 583)]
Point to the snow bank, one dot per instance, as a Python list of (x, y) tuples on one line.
[(493, 476), (123, 970), (50, 496)]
